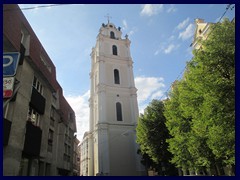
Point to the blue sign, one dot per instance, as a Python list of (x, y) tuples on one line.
[(10, 63)]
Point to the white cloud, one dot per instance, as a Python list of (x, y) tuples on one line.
[(129, 30), (142, 107), (171, 9), (125, 25), (187, 33), (157, 52), (81, 107), (148, 88), (151, 9), (183, 24), (166, 48), (157, 94), (171, 38), (169, 48)]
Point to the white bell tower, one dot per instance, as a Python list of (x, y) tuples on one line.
[(113, 107)]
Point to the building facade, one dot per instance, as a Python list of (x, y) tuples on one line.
[(113, 107), (84, 155), (38, 122), (76, 157), (201, 32)]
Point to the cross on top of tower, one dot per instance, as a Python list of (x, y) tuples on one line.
[(108, 17)]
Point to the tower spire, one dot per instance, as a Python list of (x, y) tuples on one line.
[(108, 17)]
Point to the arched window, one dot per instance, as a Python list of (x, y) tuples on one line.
[(116, 77), (114, 50), (119, 111), (112, 35)]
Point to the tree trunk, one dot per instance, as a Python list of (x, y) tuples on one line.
[(220, 170)]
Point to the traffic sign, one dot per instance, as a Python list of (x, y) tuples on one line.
[(8, 83), (10, 63)]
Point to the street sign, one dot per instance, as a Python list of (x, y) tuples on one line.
[(10, 63), (8, 83)]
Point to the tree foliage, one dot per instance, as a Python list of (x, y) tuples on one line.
[(201, 110), (151, 137)]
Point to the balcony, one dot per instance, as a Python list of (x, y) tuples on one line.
[(37, 101), (33, 138), (6, 131)]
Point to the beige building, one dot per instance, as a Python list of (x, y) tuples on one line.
[(76, 157), (113, 107), (38, 122), (84, 155), (201, 32)]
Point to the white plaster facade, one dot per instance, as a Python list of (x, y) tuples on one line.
[(112, 146), (84, 155), (201, 32)]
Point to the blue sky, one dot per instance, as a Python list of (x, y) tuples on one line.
[(160, 36)]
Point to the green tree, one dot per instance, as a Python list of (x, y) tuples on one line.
[(179, 126), (213, 73), (151, 137), (204, 102)]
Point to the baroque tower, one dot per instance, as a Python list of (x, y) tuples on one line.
[(113, 107)]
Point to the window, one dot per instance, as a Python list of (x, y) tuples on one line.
[(48, 169), (52, 116), (116, 77), (52, 122), (112, 35), (22, 37), (66, 155), (50, 140), (50, 135), (33, 116), (114, 50), (40, 168), (25, 39), (66, 130), (119, 111), (65, 148), (53, 113), (68, 150), (71, 117), (67, 144), (37, 85), (54, 99)]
